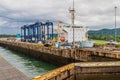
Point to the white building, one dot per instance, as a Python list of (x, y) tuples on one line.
[(80, 33)]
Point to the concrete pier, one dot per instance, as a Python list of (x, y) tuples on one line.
[(9, 72)]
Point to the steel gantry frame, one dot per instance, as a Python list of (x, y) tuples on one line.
[(37, 32)]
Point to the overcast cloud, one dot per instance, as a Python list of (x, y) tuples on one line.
[(96, 14)]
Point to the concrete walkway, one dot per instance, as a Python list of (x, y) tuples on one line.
[(9, 72)]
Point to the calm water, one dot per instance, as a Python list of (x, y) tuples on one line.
[(29, 66)]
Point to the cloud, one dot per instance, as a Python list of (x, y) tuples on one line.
[(93, 13)]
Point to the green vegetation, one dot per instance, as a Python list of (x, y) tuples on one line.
[(101, 36), (105, 34), (6, 35), (100, 42), (118, 43)]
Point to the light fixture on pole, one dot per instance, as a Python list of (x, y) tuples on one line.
[(115, 22)]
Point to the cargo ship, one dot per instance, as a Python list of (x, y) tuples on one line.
[(73, 33)]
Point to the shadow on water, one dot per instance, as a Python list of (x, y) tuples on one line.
[(28, 65)]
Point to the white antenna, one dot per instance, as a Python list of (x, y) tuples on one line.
[(72, 11)]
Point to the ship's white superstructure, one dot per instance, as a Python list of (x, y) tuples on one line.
[(80, 33), (74, 33)]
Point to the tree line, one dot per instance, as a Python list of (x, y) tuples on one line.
[(105, 34), (6, 35)]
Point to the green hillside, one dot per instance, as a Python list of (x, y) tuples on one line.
[(6, 35), (104, 34)]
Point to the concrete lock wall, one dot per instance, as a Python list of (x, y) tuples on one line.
[(61, 73), (64, 56), (52, 55), (97, 68), (74, 70), (59, 57)]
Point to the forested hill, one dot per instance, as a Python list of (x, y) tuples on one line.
[(6, 35), (104, 34)]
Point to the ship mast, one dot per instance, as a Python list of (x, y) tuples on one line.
[(72, 11)]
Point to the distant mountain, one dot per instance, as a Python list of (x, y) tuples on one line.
[(104, 34)]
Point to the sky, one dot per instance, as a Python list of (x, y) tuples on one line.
[(95, 14)]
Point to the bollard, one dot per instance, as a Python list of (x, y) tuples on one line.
[(116, 55), (99, 54)]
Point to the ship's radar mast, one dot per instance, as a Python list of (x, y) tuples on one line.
[(72, 11)]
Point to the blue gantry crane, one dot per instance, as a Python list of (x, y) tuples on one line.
[(37, 32)]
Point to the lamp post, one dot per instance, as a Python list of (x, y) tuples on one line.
[(115, 22)]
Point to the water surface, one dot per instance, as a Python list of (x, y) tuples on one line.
[(29, 66)]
